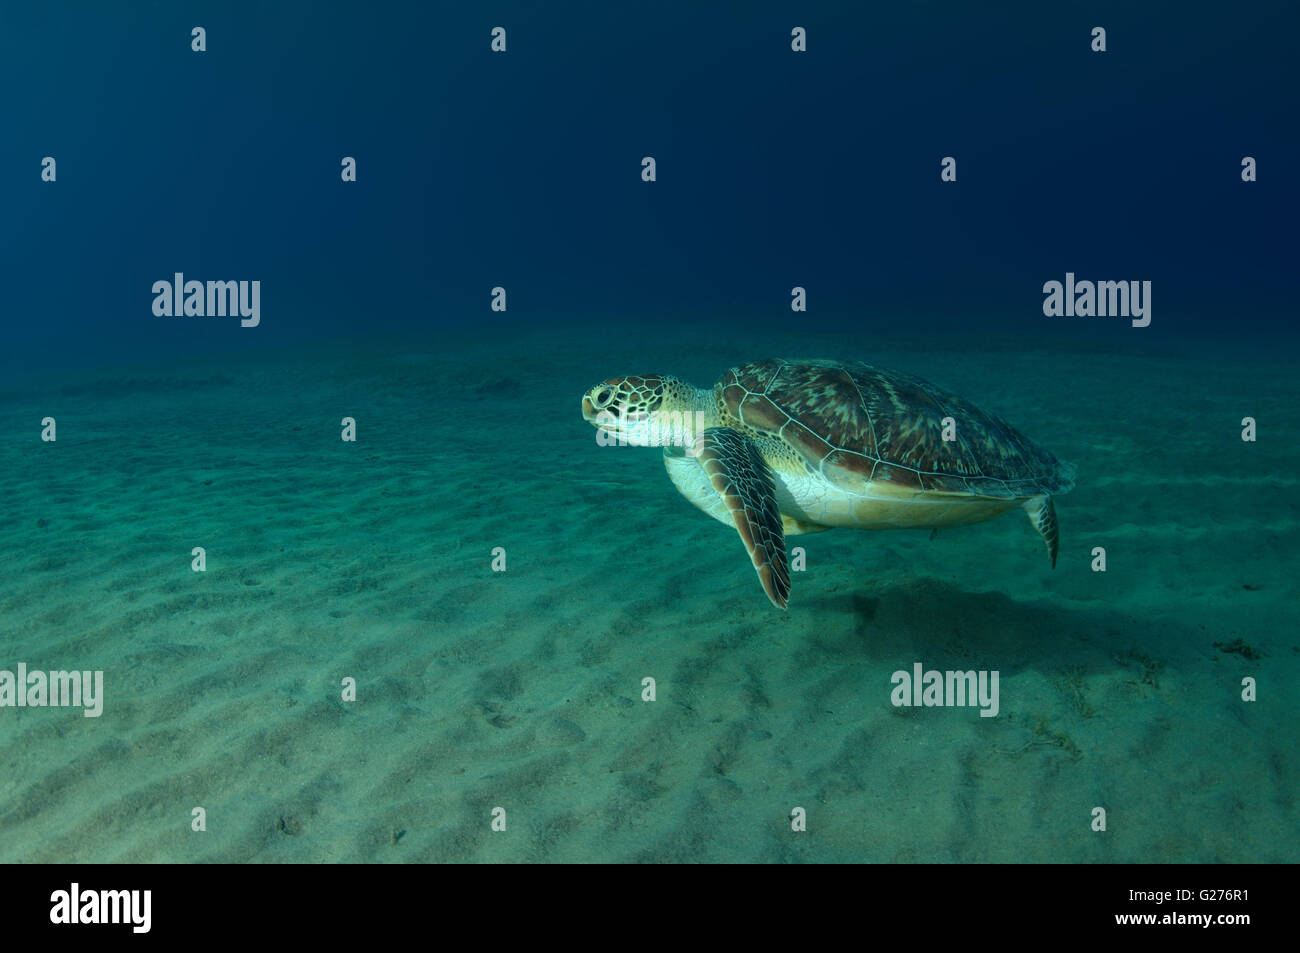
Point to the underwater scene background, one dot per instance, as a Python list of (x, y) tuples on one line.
[(497, 585)]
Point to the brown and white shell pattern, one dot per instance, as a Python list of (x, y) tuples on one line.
[(854, 424)]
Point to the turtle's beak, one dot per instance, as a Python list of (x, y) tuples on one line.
[(588, 410)]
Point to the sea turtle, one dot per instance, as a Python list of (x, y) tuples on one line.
[(779, 447)]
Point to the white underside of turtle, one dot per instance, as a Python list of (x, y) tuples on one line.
[(778, 448)]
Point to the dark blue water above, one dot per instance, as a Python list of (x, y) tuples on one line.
[(522, 169)]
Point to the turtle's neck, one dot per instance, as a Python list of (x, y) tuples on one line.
[(705, 408), (699, 414)]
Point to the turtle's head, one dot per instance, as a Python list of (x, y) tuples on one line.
[(647, 410)]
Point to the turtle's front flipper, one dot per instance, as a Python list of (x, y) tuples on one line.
[(1043, 515), (744, 482)]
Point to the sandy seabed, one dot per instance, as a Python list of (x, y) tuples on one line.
[(523, 689)]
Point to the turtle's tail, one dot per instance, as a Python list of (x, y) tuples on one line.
[(1065, 474), (1042, 513)]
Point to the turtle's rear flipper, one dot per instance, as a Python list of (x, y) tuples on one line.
[(744, 482), (1043, 515)]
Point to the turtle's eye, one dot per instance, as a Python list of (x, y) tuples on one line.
[(604, 397)]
